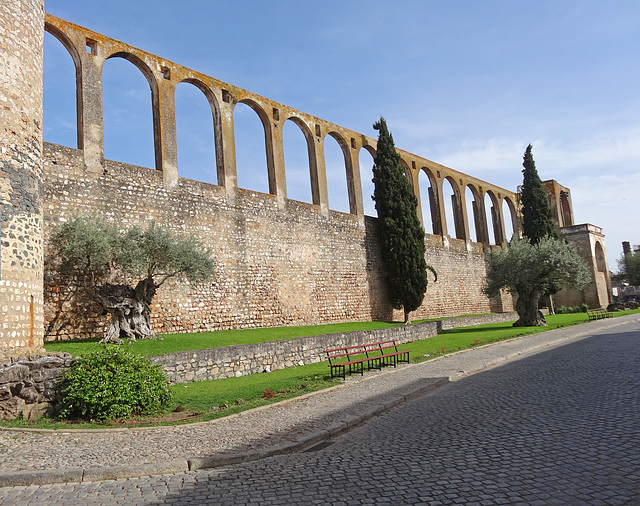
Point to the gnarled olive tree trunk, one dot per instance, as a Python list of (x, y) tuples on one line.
[(528, 312), (130, 310)]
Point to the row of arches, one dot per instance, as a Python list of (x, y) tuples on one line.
[(246, 141)]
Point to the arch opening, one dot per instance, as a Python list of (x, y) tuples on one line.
[(366, 161), (127, 113), (336, 167), (494, 229), (251, 154), (429, 202), (195, 130), (508, 209), (473, 214), (453, 208), (60, 94), (601, 261), (297, 161)]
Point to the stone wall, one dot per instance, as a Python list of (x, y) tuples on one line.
[(242, 360), (589, 243), (27, 385), (275, 266), (21, 315)]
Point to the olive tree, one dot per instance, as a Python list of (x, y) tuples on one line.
[(122, 270), (531, 270)]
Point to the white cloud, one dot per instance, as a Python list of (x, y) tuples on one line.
[(610, 201), (603, 174)]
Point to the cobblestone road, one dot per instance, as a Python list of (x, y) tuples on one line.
[(558, 427)]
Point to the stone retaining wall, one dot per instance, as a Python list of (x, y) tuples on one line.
[(245, 359), (27, 384)]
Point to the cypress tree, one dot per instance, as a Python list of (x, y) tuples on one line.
[(402, 235), (537, 220)]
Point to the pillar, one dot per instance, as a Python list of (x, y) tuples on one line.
[(21, 253)]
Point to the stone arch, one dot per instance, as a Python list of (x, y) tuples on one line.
[(454, 211), (513, 219), (146, 71), (371, 150), (77, 63), (313, 160), (366, 179), (429, 202), (66, 42), (348, 165), (311, 164), (495, 229), (211, 173), (601, 260), (473, 210), (140, 64), (407, 171), (268, 144)]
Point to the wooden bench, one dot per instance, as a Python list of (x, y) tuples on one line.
[(598, 314), (373, 356)]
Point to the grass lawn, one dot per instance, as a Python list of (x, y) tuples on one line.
[(214, 399), (201, 341)]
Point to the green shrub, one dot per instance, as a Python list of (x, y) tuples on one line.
[(561, 310), (584, 307), (112, 383)]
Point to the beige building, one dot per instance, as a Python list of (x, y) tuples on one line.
[(589, 241)]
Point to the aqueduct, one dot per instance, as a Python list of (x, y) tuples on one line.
[(280, 261), (89, 51)]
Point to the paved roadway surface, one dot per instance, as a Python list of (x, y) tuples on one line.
[(559, 426)]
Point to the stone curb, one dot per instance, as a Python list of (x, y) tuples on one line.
[(79, 475)]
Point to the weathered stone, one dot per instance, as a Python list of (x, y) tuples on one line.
[(21, 283), (13, 373), (35, 411), (10, 409), (30, 395), (5, 393)]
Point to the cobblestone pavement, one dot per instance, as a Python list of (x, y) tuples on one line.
[(556, 427)]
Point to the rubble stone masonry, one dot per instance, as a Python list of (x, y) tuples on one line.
[(290, 266), (21, 269)]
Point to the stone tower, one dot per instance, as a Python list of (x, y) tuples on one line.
[(21, 248), (589, 242)]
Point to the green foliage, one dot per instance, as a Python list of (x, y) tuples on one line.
[(402, 235), (629, 266), (85, 246), (531, 270), (122, 270), (90, 247), (537, 221), (112, 383), (525, 268)]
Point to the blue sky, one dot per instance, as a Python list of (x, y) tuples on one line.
[(465, 83)]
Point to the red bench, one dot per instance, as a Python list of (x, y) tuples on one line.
[(373, 356), (598, 314)]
